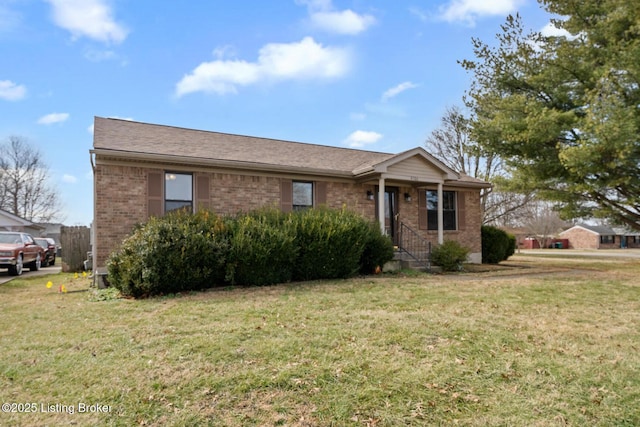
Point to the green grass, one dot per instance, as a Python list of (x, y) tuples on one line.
[(543, 342)]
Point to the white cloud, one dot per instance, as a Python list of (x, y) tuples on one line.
[(99, 55), (69, 179), (10, 91), (323, 17), (52, 118), (357, 116), (345, 22), (221, 52), (276, 61), (88, 18), (396, 90), (360, 138), (469, 11), (550, 30)]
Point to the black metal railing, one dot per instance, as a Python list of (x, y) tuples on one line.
[(414, 245)]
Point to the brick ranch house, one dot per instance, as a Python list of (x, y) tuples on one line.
[(144, 169), (583, 236)]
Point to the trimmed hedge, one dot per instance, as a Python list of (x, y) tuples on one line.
[(497, 245), (175, 253), (182, 252), (330, 243), (262, 249)]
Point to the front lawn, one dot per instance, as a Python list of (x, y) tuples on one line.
[(544, 343)]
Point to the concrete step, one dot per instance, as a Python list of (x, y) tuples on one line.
[(403, 260)]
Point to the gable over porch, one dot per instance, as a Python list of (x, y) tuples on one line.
[(426, 176)]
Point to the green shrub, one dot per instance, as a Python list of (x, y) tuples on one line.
[(183, 252), (262, 248), (330, 243), (450, 255), (497, 245), (512, 245), (175, 253), (378, 250)]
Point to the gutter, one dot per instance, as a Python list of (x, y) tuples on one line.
[(229, 164)]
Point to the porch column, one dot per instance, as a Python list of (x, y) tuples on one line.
[(440, 216), (381, 203)]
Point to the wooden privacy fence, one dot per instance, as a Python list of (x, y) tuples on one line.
[(75, 243)]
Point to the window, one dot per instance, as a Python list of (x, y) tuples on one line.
[(302, 195), (607, 239), (448, 210), (178, 191)]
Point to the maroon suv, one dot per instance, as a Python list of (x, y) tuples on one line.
[(17, 250)]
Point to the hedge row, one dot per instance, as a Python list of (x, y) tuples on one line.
[(181, 251)]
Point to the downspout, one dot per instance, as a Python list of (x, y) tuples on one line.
[(440, 216), (94, 244)]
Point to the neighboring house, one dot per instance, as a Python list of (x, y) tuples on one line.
[(584, 236), (11, 222), (144, 169), (51, 230)]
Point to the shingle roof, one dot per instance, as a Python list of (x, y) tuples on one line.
[(604, 230), (144, 141), (142, 138), (600, 229)]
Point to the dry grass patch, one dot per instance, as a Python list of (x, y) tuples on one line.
[(536, 343)]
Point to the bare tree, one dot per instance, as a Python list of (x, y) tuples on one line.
[(453, 145), (24, 186), (543, 222), (506, 208)]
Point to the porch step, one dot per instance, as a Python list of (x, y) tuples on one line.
[(407, 262)]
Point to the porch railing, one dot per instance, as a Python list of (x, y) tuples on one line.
[(414, 245)]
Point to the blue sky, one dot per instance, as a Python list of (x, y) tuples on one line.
[(371, 74)]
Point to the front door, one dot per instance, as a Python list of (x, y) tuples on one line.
[(390, 212)]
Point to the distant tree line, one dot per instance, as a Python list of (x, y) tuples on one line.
[(25, 188)]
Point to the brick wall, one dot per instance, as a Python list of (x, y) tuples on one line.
[(231, 193), (354, 197), (121, 202), (579, 238)]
